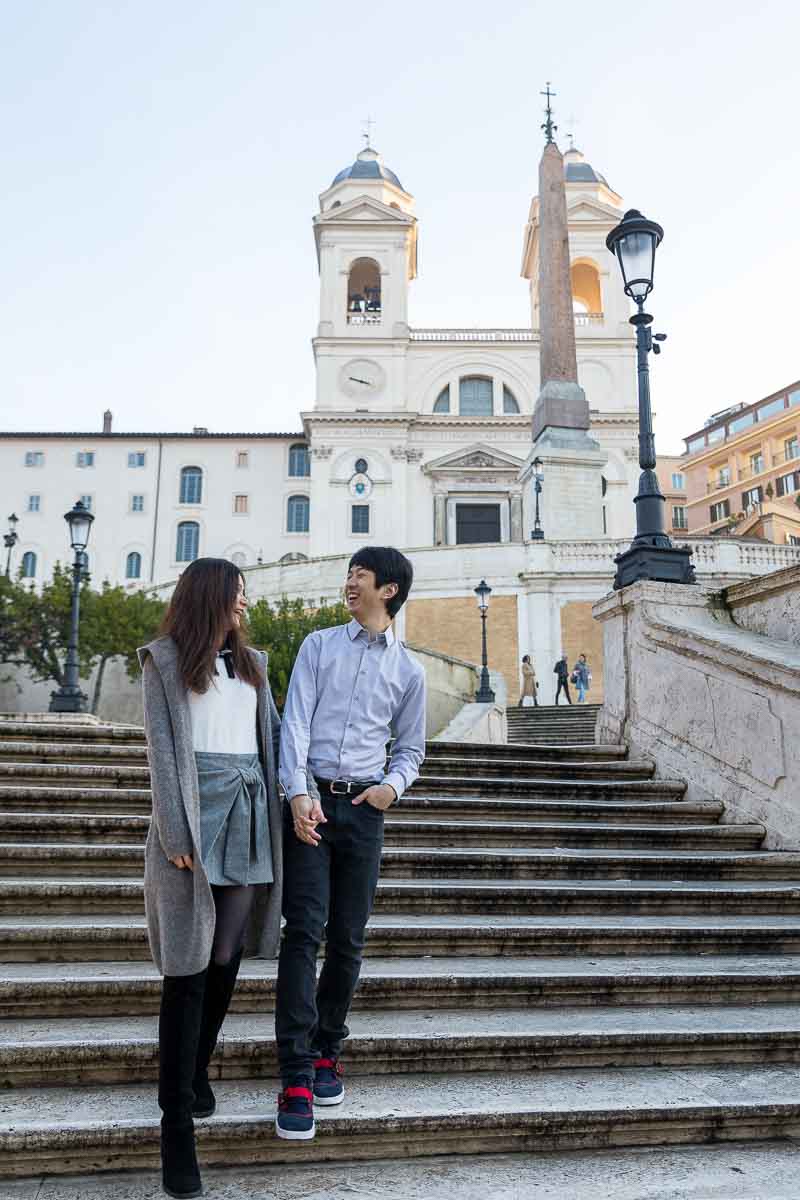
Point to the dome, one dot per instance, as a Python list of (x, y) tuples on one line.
[(578, 170), (368, 165)]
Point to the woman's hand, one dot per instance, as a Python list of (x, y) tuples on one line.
[(183, 862), (306, 815)]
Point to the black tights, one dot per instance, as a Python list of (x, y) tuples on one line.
[(233, 906)]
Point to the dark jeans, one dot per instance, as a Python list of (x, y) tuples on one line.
[(326, 888), (563, 683)]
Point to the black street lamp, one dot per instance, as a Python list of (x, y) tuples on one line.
[(537, 533), (484, 695), (69, 698), (651, 554), (10, 540)]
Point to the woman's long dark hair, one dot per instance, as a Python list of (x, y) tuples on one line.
[(197, 621)]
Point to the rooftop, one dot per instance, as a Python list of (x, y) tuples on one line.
[(368, 165)]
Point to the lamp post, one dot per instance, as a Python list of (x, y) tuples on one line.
[(10, 540), (484, 695), (537, 533), (69, 698), (651, 554)]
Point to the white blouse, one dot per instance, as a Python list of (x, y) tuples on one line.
[(224, 717)]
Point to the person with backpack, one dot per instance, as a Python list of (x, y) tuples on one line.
[(561, 669)]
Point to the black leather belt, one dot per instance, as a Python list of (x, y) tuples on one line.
[(344, 787)]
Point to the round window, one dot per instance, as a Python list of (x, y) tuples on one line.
[(362, 466)]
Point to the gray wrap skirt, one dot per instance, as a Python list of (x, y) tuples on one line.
[(234, 828)]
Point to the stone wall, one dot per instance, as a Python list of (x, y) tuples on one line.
[(449, 685), (452, 625), (710, 701), (769, 605)]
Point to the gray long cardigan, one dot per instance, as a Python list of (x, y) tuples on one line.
[(179, 903)]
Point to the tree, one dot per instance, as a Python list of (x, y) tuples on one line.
[(35, 628), (115, 623), (281, 630)]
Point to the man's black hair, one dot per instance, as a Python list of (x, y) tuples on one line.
[(389, 566)]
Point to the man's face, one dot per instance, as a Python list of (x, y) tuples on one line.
[(363, 597)]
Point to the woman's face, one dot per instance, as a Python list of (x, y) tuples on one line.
[(239, 606)]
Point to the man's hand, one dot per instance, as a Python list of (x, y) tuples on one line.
[(183, 862), (380, 796), (306, 815)]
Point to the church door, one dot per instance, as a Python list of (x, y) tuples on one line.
[(477, 523)]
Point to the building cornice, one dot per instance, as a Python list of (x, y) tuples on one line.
[(39, 435)]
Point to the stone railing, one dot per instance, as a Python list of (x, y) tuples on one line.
[(473, 335), (691, 682), (713, 556), (582, 320)]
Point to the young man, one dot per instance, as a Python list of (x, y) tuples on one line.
[(352, 687), (561, 669)]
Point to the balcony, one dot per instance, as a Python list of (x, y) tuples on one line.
[(584, 320), (716, 485), (473, 335), (364, 318), (790, 454)]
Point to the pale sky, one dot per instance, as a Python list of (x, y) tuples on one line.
[(163, 162)]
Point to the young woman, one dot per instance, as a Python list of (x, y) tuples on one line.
[(582, 677), (213, 856), (529, 684)]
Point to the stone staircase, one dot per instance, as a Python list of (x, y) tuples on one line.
[(565, 954), (553, 725)]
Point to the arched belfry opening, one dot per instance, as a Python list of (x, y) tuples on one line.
[(364, 293), (586, 295)]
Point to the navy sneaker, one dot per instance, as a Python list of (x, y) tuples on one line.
[(328, 1086), (295, 1119)]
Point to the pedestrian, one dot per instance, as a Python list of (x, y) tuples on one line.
[(561, 669), (352, 687), (581, 677), (529, 684), (212, 876)]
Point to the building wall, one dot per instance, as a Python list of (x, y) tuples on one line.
[(452, 625), (581, 634), (668, 467)]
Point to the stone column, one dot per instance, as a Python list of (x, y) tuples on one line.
[(516, 517), (439, 519)]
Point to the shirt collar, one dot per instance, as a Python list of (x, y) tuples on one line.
[(354, 630)]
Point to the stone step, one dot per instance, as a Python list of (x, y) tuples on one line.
[(610, 788), (68, 1051), (485, 750), (83, 895), (770, 1167), (130, 988), (81, 829), (406, 932), (548, 853), (609, 784), (65, 731), (29, 753), (51, 824), (116, 1126), (509, 768)]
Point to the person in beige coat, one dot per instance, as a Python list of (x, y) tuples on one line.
[(529, 684), (213, 858)]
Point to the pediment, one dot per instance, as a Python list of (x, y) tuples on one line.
[(363, 208), (474, 458), (593, 210)]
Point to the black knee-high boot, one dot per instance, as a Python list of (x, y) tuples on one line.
[(220, 982), (178, 1035)]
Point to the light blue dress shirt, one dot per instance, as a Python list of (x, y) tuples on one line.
[(348, 693)]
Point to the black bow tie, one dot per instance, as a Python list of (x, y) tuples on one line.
[(227, 657)]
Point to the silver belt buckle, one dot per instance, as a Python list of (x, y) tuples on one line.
[(345, 787)]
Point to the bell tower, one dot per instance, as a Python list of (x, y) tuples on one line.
[(366, 237)]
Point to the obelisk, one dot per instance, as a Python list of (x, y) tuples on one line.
[(561, 401), (572, 461)]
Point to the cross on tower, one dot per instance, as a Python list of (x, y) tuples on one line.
[(549, 126), (367, 134), (572, 122)]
